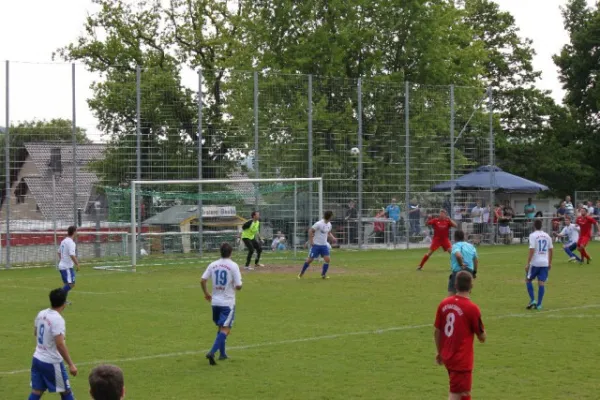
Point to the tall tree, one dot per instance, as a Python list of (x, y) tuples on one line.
[(579, 72)]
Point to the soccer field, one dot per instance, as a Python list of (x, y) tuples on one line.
[(366, 333)]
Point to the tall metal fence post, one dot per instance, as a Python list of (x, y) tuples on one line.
[(452, 150), (295, 234), (74, 144), (360, 164), (492, 149), (310, 151), (256, 170), (407, 156), (200, 138), (138, 151), (7, 165)]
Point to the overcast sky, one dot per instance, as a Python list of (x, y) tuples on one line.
[(32, 29)]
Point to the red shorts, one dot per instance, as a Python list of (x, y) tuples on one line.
[(460, 382), (583, 241), (444, 243)]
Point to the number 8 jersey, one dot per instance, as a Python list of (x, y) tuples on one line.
[(458, 320), (225, 276), (541, 243)]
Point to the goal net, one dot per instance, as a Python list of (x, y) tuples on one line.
[(180, 221)]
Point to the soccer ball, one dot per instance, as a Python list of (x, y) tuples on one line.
[(354, 151)]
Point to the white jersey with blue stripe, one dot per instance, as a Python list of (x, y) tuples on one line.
[(541, 243), (322, 230), (66, 250), (571, 232), (225, 276), (48, 324)]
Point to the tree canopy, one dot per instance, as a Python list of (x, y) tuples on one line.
[(433, 43)]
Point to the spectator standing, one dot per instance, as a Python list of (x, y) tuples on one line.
[(458, 216), (477, 218), (561, 211), (379, 227), (530, 209), (414, 217), (569, 206), (392, 211), (486, 223), (350, 218), (590, 208)]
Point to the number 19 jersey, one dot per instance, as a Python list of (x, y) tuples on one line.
[(541, 243), (458, 320), (225, 276)]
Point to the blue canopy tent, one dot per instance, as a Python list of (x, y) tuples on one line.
[(488, 177)]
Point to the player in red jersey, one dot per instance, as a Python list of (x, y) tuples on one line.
[(585, 223), (441, 232), (457, 321)]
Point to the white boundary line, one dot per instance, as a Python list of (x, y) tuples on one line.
[(308, 339)]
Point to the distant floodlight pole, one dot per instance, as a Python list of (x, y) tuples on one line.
[(452, 150), (74, 143)]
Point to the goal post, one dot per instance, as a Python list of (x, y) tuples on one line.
[(213, 210)]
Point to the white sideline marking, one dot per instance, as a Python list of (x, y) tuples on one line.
[(308, 339)]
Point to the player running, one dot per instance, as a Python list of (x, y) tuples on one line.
[(457, 321), (317, 240), (252, 240), (463, 257), (585, 223), (226, 279), (47, 367), (539, 263), (68, 259), (571, 232), (441, 228)]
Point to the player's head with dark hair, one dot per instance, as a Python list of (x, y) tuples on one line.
[(443, 213), (463, 282), (537, 224), (583, 211), (328, 215), (226, 250), (71, 230), (255, 215), (107, 383), (567, 219), (58, 298), (459, 236)]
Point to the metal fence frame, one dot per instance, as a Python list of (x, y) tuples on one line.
[(310, 147)]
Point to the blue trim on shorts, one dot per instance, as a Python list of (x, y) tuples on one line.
[(68, 275), (44, 377), (223, 316)]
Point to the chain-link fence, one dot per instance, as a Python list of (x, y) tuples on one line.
[(73, 141)]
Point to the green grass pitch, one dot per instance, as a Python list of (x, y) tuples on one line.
[(366, 333)]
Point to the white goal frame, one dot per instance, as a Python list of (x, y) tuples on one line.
[(139, 183)]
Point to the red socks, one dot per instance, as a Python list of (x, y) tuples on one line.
[(584, 254), (424, 260), (466, 397)]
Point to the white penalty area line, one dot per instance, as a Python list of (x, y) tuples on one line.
[(310, 339)]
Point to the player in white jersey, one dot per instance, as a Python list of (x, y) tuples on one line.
[(47, 367), (539, 263), (319, 247), (226, 279), (67, 259), (571, 232)]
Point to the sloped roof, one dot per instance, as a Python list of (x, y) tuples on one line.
[(40, 185), (173, 215)]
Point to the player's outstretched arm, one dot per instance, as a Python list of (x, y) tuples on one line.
[(332, 237), (61, 346), (311, 236), (207, 295)]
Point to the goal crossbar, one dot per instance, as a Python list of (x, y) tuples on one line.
[(199, 182)]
